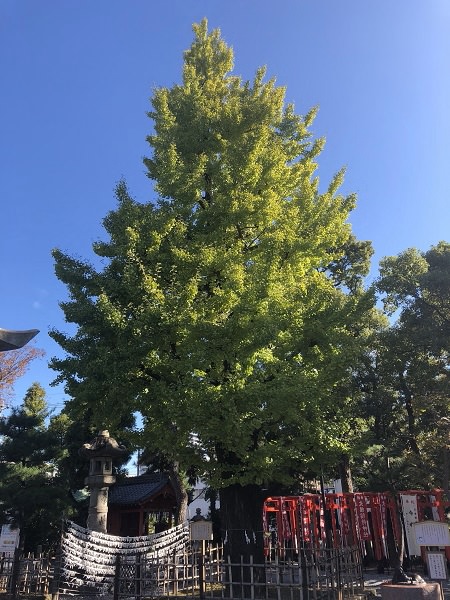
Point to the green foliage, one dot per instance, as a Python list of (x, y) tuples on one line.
[(35, 405), (229, 313), (32, 494), (405, 380)]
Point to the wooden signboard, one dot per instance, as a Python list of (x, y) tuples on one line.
[(201, 530)]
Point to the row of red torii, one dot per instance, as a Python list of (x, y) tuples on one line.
[(374, 520)]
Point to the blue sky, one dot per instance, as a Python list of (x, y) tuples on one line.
[(77, 76)]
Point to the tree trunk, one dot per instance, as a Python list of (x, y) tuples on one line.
[(408, 400), (345, 474), (213, 496), (242, 535), (180, 493), (446, 471), (395, 551)]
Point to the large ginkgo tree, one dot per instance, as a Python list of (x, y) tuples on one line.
[(227, 312)]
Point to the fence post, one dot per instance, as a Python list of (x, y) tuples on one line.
[(304, 573), (138, 576), (230, 578), (252, 579), (201, 569), (338, 574), (116, 578), (15, 573), (277, 575), (175, 572), (54, 587)]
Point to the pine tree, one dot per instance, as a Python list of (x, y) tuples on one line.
[(31, 495)]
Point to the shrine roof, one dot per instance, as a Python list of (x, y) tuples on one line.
[(136, 490)]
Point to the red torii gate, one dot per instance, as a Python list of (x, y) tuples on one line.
[(365, 518)]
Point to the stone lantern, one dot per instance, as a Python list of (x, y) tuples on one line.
[(100, 452)]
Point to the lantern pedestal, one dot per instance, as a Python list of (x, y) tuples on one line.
[(426, 591)]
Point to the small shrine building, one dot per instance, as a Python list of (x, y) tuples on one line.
[(141, 505)]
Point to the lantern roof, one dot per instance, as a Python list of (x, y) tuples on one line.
[(103, 445)]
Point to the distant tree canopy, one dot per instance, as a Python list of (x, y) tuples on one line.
[(229, 312), (405, 383)]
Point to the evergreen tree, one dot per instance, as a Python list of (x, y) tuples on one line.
[(32, 496), (405, 381), (229, 312)]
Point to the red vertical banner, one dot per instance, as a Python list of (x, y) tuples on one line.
[(362, 521), (304, 507), (315, 522), (331, 506), (383, 515), (352, 516), (287, 534), (378, 540), (345, 521), (323, 533), (345, 525)]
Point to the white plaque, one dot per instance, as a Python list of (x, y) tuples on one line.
[(410, 516), (437, 565), (431, 533), (9, 539)]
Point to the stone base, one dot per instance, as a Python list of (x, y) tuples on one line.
[(427, 591)]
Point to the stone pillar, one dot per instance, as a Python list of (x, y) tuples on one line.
[(100, 452), (98, 505)]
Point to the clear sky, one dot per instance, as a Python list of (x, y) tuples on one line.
[(75, 81)]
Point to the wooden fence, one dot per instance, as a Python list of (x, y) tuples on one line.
[(27, 576), (196, 572), (325, 575)]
